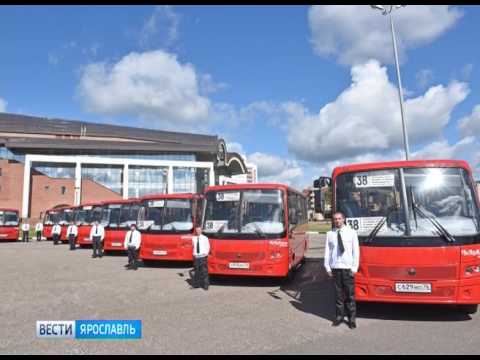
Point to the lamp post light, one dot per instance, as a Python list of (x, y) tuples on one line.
[(387, 10)]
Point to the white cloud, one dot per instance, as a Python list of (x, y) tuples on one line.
[(356, 33), (3, 105), (161, 28), (470, 125), (208, 85), (365, 118), (443, 150), (152, 85), (272, 168)]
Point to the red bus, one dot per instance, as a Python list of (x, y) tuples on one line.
[(66, 215), (85, 216), (117, 216), (167, 223), (418, 227), (9, 221), (255, 229), (51, 217)]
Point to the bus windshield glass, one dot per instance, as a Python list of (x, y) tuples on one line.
[(367, 197), (169, 215), (128, 215), (51, 217), (444, 194), (256, 213), (111, 215), (8, 218), (440, 194)]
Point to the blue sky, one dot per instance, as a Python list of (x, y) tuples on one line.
[(296, 89)]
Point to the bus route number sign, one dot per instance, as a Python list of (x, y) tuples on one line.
[(362, 180)]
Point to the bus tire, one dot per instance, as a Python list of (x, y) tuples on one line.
[(469, 309)]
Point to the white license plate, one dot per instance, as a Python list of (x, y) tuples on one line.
[(3, 235), (235, 265), (116, 244), (159, 252), (413, 287)]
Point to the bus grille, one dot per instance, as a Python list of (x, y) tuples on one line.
[(405, 272), (233, 256)]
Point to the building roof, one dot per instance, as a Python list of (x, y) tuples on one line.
[(68, 134)]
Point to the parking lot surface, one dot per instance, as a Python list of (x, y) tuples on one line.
[(39, 281)]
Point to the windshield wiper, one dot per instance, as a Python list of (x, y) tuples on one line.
[(440, 228), (379, 225), (259, 231)]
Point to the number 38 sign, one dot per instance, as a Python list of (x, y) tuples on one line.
[(365, 224), (364, 180)]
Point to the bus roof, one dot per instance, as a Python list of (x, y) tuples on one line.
[(91, 204), (397, 164), (7, 209), (170, 196), (121, 201), (254, 186)]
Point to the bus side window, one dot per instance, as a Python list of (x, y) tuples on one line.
[(199, 212)]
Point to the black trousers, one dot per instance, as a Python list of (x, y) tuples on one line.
[(344, 293), (39, 235), (201, 278), (97, 246), (56, 238), (24, 236), (71, 241), (132, 256)]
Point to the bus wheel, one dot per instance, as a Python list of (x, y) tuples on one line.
[(148, 262), (468, 309)]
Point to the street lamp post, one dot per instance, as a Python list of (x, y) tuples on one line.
[(388, 10)]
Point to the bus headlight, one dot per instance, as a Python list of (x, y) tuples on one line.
[(472, 269), (275, 255)]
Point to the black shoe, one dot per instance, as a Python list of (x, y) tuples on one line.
[(337, 321), (126, 266), (94, 256), (352, 324)]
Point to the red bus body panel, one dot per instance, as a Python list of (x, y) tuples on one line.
[(114, 238), (176, 247), (266, 257), (443, 267), (83, 237), (9, 233)]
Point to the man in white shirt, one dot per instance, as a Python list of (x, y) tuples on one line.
[(342, 255), (25, 230), (72, 232), (132, 242), (201, 249), (56, 231), (38, 230), (97, 234)]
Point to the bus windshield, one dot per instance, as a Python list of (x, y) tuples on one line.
[(169, 215), (111, 215), (51, 217), (81, 217), (444, 194), (128, 215), (255, 213), (8, 218), (67, 216)]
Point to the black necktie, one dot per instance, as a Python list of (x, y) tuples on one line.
[(340, 248), (198, 245), (130, 238)]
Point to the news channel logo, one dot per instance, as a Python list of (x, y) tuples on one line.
[(90, 329)]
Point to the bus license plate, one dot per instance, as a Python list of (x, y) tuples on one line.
[(159, 252), (116, 244), (235, 265), (413, 287)]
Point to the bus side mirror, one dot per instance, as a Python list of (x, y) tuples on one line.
[(322, 181)]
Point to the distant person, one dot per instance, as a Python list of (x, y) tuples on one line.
[(56, 231), (97, 234), (133, 240), (342, 255), (25, 230), (201, 249), (38, 230), (72, 233)]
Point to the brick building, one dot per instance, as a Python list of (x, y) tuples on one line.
[(51, 162)]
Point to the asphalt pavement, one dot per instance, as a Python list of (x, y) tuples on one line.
[(39, 281)]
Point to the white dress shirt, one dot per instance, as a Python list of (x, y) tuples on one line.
[(350, 257), (132, 239), (97, 230), (39, 227), (204, 246), (56, 229), (72, 230), (25, 227)]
